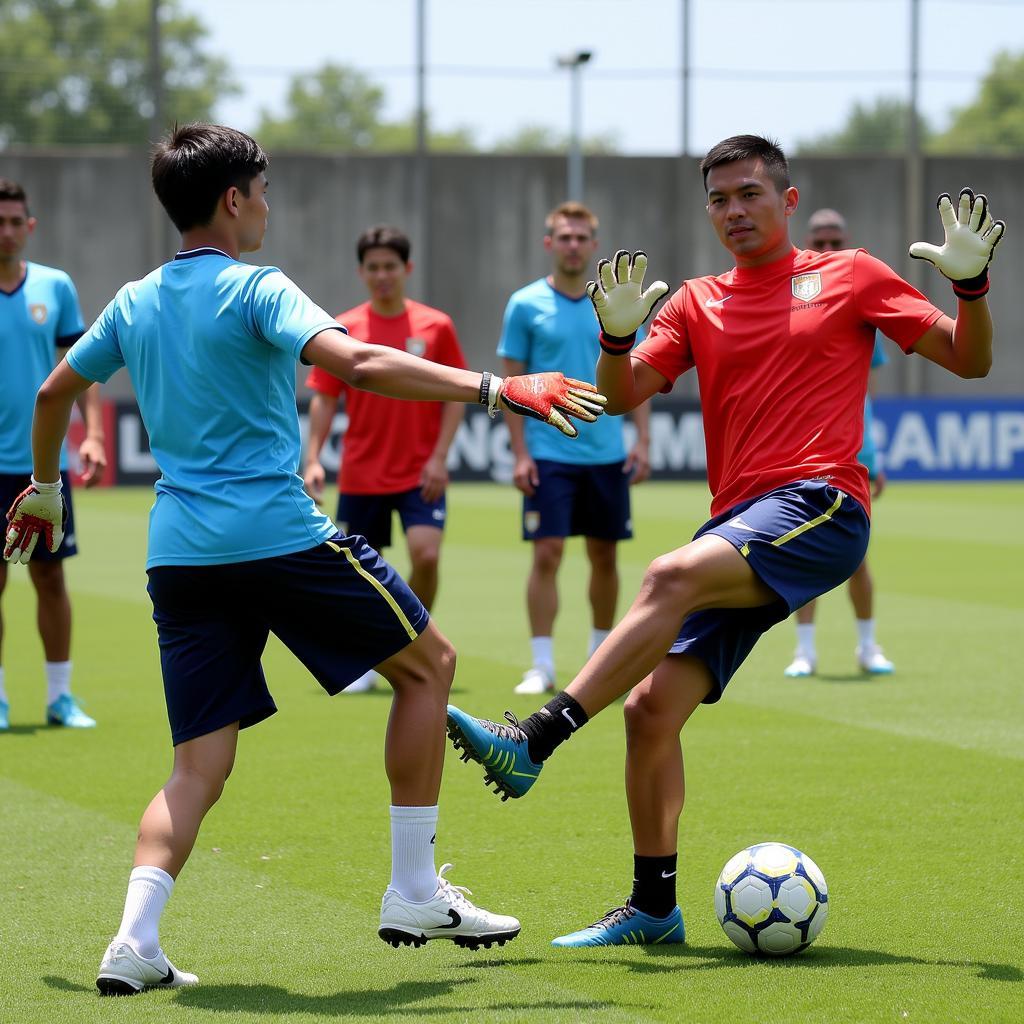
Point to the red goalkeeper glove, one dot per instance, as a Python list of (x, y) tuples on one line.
[(39, 511), (551, 397)]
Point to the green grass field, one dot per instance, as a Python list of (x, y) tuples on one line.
[(906, 791)]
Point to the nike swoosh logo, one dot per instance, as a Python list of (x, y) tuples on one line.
[(568, 718), (456, 920), (668, 874), (169, 978), (717, 303)]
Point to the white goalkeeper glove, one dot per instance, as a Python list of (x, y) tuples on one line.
[(619, 299), (39, 511), (971, 238)]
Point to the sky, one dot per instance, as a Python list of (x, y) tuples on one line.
[(791, 69)]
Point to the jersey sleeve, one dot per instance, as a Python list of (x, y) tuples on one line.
[(70, 325), (97, 354), (515, 332), (449, 351), (280, 313), (667, 346), (889, 304)]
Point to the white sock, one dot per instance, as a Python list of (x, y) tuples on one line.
[(596, 639), (149, 889), (543, 648), (805, 640), (3, 692), (58, 680), (413, 830), (866, 634)]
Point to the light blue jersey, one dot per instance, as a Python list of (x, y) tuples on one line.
[(211, 345), (868, 456), (40, 316), (547, 330)]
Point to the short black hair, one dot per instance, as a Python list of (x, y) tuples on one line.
[(11, 191), (749, 147), (383, 236), (195, 165)]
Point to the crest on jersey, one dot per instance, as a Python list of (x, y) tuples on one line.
[(806, 286), (415, 346), (38, 312)]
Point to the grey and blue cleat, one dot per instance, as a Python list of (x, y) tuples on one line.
[(501, 749), (625, 926)]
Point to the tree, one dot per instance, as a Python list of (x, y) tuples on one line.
[(878, 127), (994, 121), (77, 71), (340, 108), (539, 138)]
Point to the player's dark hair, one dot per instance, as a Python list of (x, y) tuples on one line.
[(194, 166), (11, 191), (749, 147), (383, 236)]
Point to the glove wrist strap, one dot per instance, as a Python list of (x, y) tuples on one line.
[(490, 391), (42, 488), (972, 288), (616, 346)]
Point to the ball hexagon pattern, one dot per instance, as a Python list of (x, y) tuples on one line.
[(772, 899)]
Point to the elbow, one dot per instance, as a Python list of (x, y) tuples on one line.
[(617, 407), (360, 369), (976, 371)]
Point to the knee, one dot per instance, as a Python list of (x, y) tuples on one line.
[(205, 781), (47, 578), (425, 559), (669, 579), (432, 674), (547, 557), (645, 724), (603, 559)]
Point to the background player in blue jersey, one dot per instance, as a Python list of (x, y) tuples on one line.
[(237, 549), (577, 488), (39, 315), (826, 231)]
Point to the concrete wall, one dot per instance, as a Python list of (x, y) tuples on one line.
[(485, 226)]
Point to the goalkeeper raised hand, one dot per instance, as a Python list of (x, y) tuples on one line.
[(39, 511), (971, 238), (619, 299)]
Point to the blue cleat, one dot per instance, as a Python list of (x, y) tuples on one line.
[(65, 711), (625, 926), (501, 749), (5, 716)]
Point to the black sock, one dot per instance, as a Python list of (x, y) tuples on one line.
[(553, 724), (654, 885)]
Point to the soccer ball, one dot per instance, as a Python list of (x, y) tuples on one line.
[(771, 898)]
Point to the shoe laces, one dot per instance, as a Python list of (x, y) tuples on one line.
[(513, 731), (453, 893), (615, 916)]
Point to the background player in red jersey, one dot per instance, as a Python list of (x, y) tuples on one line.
[(782, 344), (395, 453)]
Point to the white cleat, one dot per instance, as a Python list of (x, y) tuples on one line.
[(448, 914), (800, 666), (123, 972), (364, 684), (535, 680), (873, 661)]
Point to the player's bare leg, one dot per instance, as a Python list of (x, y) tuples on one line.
[(805, 658), (4, 706), (424, 543), (862, 592), (542, 609), (656, 711), (707, 573), (869, 654), (421, 676), (603, 586), (53, 609)]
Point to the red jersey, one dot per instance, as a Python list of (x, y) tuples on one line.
[(389, 440), (782, 353)]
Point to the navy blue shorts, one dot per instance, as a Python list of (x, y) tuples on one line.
[(369, 515), (11, 485), (338, 607), (802, 541), (572, 501)]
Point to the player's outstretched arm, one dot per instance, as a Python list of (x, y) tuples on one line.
[(550, 397), (963, 346)]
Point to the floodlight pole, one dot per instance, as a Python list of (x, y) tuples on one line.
[(574, 62), (914, 380), (421, 159), (684, 74)]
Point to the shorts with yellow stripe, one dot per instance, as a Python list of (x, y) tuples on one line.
[(802, 540), (338, 607)]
